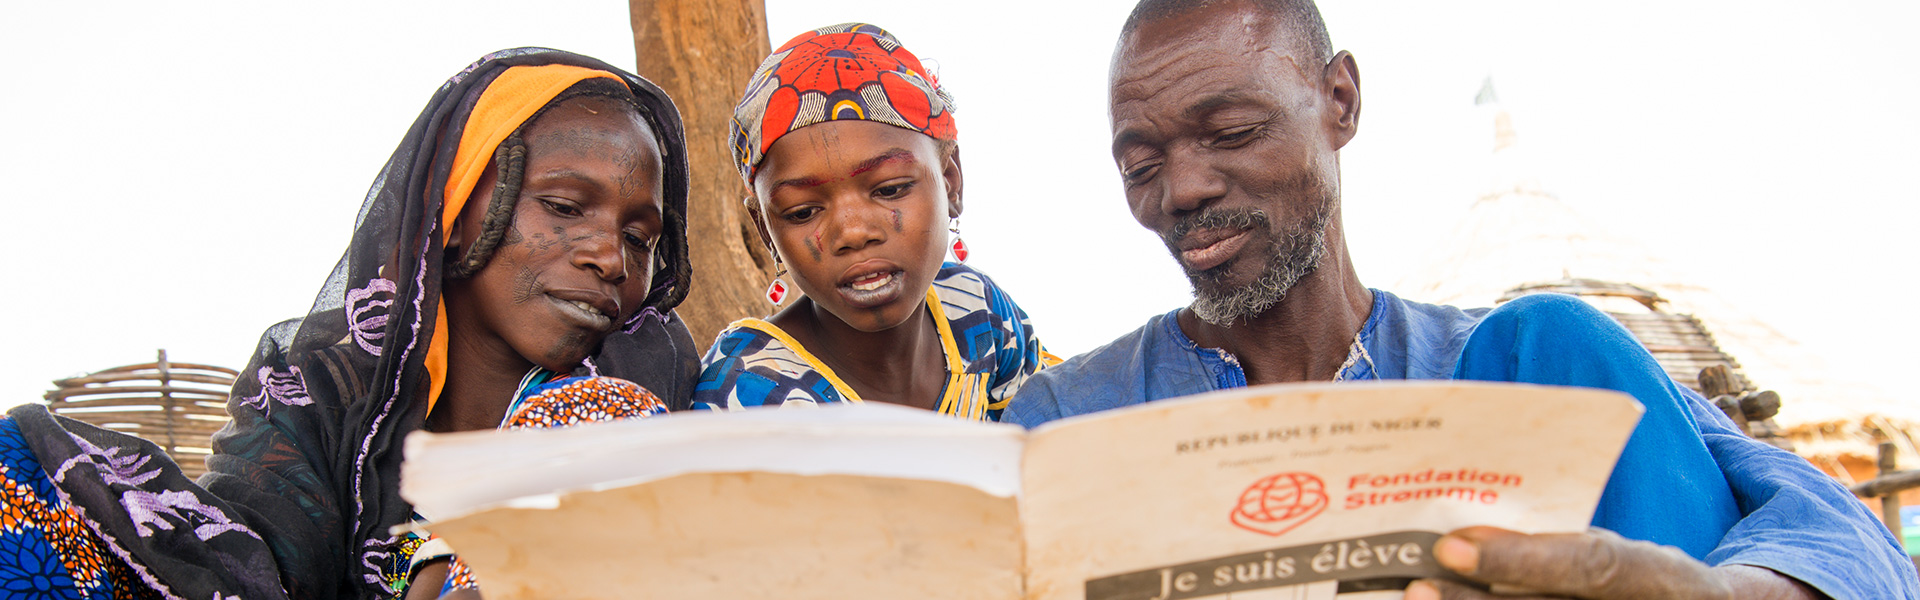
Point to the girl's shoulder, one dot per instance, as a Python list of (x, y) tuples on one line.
[(751, 339), (754, 363), (964, 291)]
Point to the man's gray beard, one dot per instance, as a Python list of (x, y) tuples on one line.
[(1288, 260)]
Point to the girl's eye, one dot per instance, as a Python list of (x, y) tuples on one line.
[(638, 242), (800, 215), (892, 192), (561, 208)]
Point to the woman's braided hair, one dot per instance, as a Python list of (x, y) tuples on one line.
[(671, 261)]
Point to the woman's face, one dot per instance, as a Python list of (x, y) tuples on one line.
[(578, 256), (859, 210)]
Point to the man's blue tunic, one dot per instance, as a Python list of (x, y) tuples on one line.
[(1687, 478)]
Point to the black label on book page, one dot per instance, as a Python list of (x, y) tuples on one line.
[(1399, 557)]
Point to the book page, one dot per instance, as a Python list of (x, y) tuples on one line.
[(851, 501), (1305, 491), (750, 535), (447, 475)]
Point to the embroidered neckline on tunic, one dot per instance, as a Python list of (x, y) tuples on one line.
[(949, 394)]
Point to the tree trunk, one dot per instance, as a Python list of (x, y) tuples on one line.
[(702, 52)]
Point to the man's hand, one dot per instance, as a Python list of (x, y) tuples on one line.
[(1597, 565)]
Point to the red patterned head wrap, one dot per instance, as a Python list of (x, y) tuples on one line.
[(841, 72)]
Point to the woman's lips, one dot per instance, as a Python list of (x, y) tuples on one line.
[(582, 312), (1203, 250)]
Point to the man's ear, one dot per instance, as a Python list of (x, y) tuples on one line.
[(1342, 82), (950, 171), (760, 225)]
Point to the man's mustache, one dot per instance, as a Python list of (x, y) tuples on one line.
[(1224, 218)]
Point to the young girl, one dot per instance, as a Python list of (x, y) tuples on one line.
[(849, 147)]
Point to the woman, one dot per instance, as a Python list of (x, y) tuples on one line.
[(535, 207), (850, 148)]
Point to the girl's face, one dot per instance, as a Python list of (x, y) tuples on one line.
[(859, 211), (578, 255)]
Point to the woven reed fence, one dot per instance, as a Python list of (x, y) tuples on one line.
[(177, 406)]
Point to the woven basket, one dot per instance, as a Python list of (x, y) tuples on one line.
[(177, 406)]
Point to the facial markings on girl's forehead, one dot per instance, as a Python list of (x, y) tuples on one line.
[(891, 155)]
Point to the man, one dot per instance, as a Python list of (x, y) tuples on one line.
[(1228, 117)]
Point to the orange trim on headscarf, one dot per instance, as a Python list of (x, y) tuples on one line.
[(509, 101)]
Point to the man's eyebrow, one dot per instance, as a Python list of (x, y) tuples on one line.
[(1127, 138), (892, 154)]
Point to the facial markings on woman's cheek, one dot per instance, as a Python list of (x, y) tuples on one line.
[(526, 285), (896, 221), (813, 247)]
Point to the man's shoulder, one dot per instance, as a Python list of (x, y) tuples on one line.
[(1392, 307), (1110, 376), (1129, 351)]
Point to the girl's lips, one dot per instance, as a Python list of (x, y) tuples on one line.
[(872, 290), (1214, 252)]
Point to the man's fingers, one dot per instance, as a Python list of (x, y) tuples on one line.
[(1597, 564)]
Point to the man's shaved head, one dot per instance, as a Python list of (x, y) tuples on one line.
[(1300, 18)]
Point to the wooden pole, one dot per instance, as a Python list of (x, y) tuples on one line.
[(702, 52), (166, 400), (1890, 502)]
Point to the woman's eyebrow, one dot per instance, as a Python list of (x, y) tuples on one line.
[(892, 154), (565, 174)]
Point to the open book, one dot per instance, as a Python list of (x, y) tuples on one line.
[(1298, 491)]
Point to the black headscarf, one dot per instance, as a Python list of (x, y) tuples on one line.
[(309, 468)]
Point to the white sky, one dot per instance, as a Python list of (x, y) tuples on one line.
[(183, 176)]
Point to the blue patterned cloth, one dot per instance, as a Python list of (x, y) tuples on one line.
[(46, 549), (1687, 477), (987, 340)]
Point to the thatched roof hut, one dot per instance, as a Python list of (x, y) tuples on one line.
[(1519, 237)]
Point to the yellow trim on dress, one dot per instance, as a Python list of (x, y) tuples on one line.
[(951, 349), (825, 371), (950, 402)]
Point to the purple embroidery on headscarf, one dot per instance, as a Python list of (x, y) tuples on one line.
[(367, 313), (639, 319), (113, 468), (285, 387), (373, 429), (367, 557), (155, 512), (142, 506)]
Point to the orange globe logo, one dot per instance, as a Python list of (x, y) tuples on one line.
[(1278, 503)]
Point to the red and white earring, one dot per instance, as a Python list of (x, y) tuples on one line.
[(777, 291), (959, 245)]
